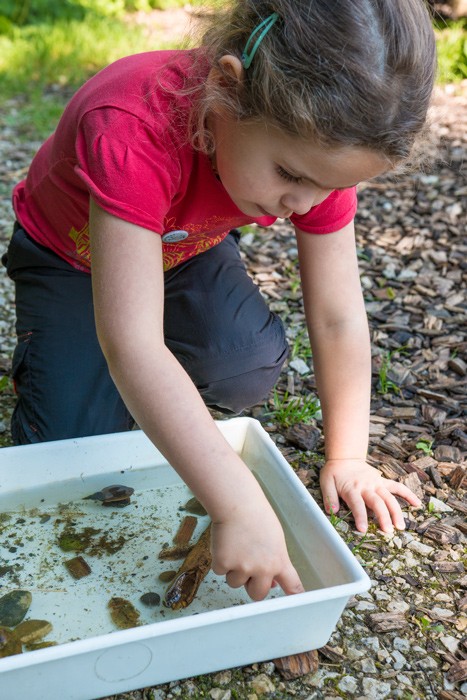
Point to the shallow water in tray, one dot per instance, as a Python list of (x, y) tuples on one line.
[(121, 547)]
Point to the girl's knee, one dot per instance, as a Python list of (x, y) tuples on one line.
[(234, 394)]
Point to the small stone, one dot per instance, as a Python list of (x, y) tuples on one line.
[(32, 630), (437, 506), (348, 684), (353, 653), (403, 679), (262, 685), (78, 567), (166, 576), (9, 644), (364, 606), (220, 694), (375, 690), (401, 644), (371, 643), (396, 565), (223, 677), (399, 660), (442, 612), (299, 366), (443, 598), (268, 667), (427, 664), (195, 507), (410, 560), (451, 643), (13, 607), (151, 600), (420, 548), (368, 666), (398, 606)]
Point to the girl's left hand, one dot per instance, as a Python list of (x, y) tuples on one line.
[(362, 487)]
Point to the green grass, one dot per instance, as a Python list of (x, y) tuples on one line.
[(288, 410), (59, 46), (452, 51)]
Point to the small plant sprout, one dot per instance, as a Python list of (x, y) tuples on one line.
[(386, 384), (425, 446), (289, 410), (432, 510)]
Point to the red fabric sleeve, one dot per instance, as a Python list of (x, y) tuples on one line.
[(126, 167), (335, 212)]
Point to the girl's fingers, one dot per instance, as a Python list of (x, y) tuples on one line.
[(330, 495), (380, 509), (357, 505), (236, 579), (394, 509), (258, 587), (404, 492), (289, 581)]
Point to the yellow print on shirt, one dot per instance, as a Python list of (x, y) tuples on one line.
[(200, 238), (81, 241)]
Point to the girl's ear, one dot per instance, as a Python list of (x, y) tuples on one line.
[(228, 66), (232, 66)]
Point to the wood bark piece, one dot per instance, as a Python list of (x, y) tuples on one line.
[(448, 567), (458, 478), (186, 530), (78, 567), (457, 672), (385, 622), (196, 566), (444, 534), (297, 665)]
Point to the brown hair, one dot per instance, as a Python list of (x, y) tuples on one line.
[(339, 71)]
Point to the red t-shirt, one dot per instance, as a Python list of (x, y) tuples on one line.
[(123, 140)]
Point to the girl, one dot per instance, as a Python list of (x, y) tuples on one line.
[(286, 106)]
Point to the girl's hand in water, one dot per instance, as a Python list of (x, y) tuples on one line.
[(249, 548), (362, 487)]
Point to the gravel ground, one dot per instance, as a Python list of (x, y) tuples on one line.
[(406, 637)]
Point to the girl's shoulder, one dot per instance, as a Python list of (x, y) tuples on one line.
[(144, 84)]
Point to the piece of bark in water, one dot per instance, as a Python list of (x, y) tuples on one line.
[(185, 530), (174, 553), (78, 567), (197, 564), (297, 665)]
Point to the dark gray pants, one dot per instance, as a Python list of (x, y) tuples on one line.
[(216, 324)]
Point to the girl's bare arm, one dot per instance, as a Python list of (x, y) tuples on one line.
[(339, 336), (128, 288)]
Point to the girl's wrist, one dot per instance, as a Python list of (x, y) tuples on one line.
[(363, 458)]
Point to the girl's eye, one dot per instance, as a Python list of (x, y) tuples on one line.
[(287, 176)]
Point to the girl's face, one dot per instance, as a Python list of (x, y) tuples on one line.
[(267, 172)]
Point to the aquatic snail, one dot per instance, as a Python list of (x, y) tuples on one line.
[(197, 564), (115, 495)]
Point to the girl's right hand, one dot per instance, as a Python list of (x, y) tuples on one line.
[(249, 548)]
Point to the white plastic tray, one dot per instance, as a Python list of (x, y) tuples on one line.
[(222, 628)]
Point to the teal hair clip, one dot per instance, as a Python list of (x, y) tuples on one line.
[(265, 25)]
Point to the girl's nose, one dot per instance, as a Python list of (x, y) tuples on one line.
[(301, 201)]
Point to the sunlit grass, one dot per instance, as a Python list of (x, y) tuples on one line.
[(452, 52), (67, 52)]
